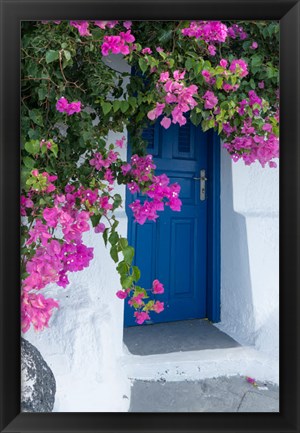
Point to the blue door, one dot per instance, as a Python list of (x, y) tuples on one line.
[(174, 248)]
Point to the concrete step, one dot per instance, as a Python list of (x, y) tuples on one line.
[(201, 364)]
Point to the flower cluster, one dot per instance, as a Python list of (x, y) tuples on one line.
[(177, 95), (249, 144), (82, 27), (208, 31), (53, 258), (121, 43), (137, 297), (63, 106), (235, 31), (157, 188)]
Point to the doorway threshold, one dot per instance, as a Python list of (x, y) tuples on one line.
[(181, 336)]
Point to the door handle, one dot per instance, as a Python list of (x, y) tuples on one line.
[(203, 180)]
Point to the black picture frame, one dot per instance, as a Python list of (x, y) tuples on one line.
[(287, 420)]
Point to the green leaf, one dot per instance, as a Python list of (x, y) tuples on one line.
[(113, 238), (51, 56), (128, 254), (95, 219), (105, 236), (143, 65), (132, 101), (122, 268), (32, 147), (67, 55), (195, 118), (116, 105), (219, 82), (124, 106), (252, 83), (54, 149), (136, 273), (117, 201), (256, 60), (28, 162), (42, 93), (126, 282), (189, 63), (123, 242), (106, 107), (114, 254), (36, 116)]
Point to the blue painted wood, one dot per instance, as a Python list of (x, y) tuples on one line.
[(174, 249)]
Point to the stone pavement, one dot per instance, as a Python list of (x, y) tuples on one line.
[(222, 394)]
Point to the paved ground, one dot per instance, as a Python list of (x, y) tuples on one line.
[(223, 394), (176, 337)]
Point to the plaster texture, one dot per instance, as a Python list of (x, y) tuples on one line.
[(250, 254)]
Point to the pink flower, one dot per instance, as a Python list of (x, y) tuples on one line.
[(251, 380), (210, 100), (272, 164), (206, 75), (125, 169), (82, 26), (127, 24), (254, 45), (74, 107), (158, 307), (138, 300), (166, 122), (120, 143), (51, 216), (239, 67), (164, 76), (156, 112), (140, 317), (157, 287), (62, 105), (146, 50), (223, 63), (213, 31), (100, 228), (121, 294), (159, 49), (267, 127), (212, 50), (261, 84), (178, 75)]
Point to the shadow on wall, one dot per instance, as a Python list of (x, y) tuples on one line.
[(237, 312)]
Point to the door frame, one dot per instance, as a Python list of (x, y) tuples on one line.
[(213, 280), (213, 289)]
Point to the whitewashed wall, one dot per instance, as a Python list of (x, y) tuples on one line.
[(250, 254)]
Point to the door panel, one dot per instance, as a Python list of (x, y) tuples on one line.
[(174, 248)]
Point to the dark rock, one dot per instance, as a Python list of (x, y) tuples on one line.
[(38, 382)]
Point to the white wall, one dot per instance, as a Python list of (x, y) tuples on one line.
[(250, 254)]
